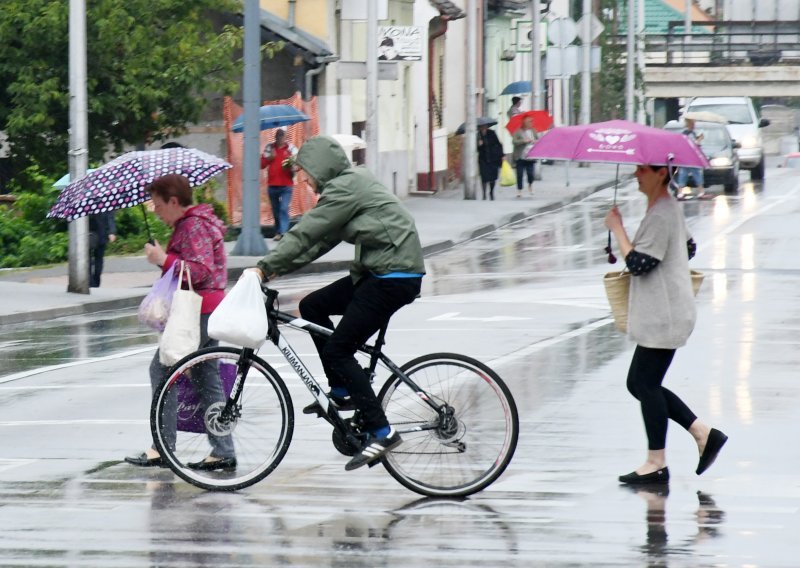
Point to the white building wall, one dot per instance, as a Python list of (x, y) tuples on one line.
[(761, 10), (423, 14)]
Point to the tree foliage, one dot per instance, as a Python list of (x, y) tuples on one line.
[(149, 62), (611, 80)]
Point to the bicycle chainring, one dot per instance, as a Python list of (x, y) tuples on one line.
[(342, 445)]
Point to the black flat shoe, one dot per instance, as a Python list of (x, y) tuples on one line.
[(716, 440), (657, 477), (207, 465), (143, 461)]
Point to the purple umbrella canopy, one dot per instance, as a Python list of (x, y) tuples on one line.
[(120, 183), (618, 142)]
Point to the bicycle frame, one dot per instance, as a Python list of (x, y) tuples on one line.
[(331, 414)]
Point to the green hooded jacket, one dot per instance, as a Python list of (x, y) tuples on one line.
[(353, 207)]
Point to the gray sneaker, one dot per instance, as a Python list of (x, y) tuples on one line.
[(374, 449)]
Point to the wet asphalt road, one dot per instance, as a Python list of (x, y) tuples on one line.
[(528, 301)]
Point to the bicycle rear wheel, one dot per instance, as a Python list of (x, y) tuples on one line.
[(188, 421), (467, 449)]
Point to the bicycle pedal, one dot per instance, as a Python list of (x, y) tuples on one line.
[(314, 408)]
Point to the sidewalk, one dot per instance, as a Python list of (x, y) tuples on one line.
[(443, 219)]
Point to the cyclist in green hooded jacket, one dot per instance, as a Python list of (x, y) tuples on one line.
[(386, 274)]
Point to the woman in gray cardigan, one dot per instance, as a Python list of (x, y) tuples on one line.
[(661, 317)]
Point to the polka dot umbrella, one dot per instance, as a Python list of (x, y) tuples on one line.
[(121, 182)]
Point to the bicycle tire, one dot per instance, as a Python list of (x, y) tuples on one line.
[(261, 433), (468, 456)]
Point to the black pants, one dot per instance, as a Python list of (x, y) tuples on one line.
[(647, 371), (490, 186), (524, 167), (96, 255), (365, 307)]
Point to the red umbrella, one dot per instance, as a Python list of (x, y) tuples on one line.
[(541, 120)]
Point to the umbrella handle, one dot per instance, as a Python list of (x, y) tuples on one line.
[(147, 225), (609, 251)]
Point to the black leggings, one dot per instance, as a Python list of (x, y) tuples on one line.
[(646, 373)]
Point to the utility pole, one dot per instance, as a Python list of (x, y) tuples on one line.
[(251, 241), (78, 144), (373, 151), (641, 115), (536, 56), (629, 61), (471, 129), (586, 74), (687, 22)]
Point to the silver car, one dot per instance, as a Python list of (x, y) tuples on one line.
[(743, 125), (722, 153)]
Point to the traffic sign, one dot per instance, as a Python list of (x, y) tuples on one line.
[(595, 25), (561, 31)]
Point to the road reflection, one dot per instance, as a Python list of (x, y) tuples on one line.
[(657, 550)]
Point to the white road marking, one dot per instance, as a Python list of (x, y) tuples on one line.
[(73, 422), (11, 463), (453, 316), (549, 342), (31, 372)]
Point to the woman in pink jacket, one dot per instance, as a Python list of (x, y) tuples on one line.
[(197, 241)]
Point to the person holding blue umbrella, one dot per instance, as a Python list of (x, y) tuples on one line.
[(514, 109), (278, 160)]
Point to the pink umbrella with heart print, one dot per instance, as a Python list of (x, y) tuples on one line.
[(618, 142), (121, 182)]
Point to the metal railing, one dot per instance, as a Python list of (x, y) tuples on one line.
[(723, 43)]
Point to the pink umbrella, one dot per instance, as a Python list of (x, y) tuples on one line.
[(618, 142)]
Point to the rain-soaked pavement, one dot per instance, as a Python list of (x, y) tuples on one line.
[(528, 301)]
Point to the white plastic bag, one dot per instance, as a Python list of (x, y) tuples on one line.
[(241, 319), (154, 309), (182, 333)]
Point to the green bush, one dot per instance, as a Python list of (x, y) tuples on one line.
[(29, 238)]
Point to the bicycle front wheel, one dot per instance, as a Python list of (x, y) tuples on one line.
[(465, 448), (193, 416)]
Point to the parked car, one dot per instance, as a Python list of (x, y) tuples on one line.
[(743, 126), (721, 151)]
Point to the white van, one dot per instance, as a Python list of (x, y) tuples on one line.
[(743, 125)]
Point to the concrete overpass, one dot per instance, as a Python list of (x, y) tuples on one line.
[(664, 82)]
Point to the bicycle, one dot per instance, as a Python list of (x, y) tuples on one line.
[(458, 419)]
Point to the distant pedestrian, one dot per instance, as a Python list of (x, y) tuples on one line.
[(523, 139), (102, 230), (278, 160), (490, 158), (696, 173), (514, 109), (661, 318)]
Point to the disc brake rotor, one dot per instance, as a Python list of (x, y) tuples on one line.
[(215, 424)]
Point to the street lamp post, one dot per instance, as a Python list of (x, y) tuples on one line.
[(536, 55), (78, 144), (251, 241)]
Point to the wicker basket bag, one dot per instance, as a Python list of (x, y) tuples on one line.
[(618, 286)]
